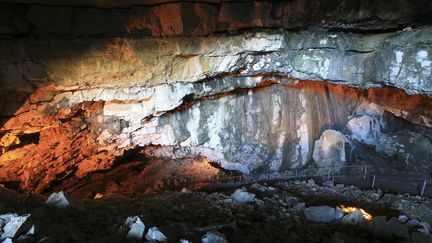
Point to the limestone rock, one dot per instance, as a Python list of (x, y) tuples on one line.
[(243, 196), (330, 149), (320, 214), (339, 213), (62, 200), (354, 218), (138, 80), (155, 234), (14, 225), (133, 229), (214, 237), (365, 129)]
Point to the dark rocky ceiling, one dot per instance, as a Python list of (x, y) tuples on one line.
[(103, 3)]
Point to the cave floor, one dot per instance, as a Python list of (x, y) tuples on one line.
[(275, 216)]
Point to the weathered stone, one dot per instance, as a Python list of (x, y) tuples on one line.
[(213, 237), (339, 213), (320, 214), (133, 229), (62, 200), (243, 196), (354, 218), (330, 149), (14, 225), (92, 72), (365, 129), (155, 234)]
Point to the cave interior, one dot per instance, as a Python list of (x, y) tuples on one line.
[(215, 121)]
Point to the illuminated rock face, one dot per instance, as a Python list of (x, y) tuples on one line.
[(82, 93)]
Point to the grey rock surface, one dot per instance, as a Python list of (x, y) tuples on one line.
[(155, 234), (62, 200), (133, 229), (243, 196), (354, 218), (14, 225), (226, 84), (320, 214), (330, 149), (214, 237)]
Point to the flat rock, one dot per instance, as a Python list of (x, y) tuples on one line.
[(320, 214)]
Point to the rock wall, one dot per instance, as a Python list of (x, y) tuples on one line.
[(81, 85)]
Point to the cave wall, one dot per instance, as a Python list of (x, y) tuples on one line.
[(251, 85)]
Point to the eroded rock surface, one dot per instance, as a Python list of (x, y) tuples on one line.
[(82, 85)]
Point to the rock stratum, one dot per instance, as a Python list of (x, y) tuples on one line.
[(275, 86)]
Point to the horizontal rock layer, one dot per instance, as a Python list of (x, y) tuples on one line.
[(251, 124), (79, 86), (95, 67)]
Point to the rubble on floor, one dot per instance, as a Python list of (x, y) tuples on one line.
[(13, 226), (213, 237), (154, 234), (241, 195), (297, 211), (133, 229)]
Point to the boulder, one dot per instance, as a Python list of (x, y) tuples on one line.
[(214, 237), (354, 218), (422, 227), (339, 213), (365, 129), (14, 225), (320, 214), (155, 234), (242, 196), (133, 229), (402, 218), (330, 149), (62, 200)]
